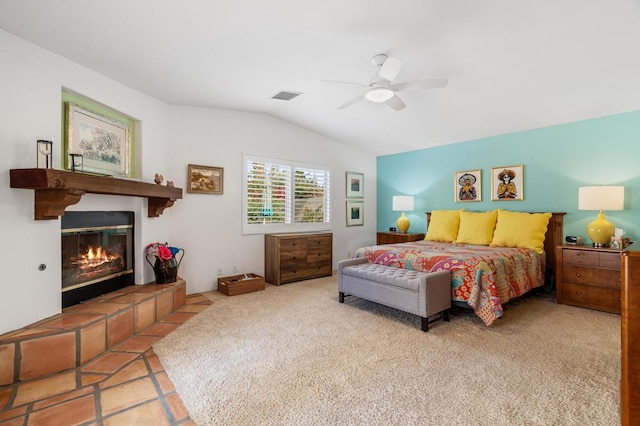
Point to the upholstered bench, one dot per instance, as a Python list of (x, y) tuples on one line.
[(420, 293)]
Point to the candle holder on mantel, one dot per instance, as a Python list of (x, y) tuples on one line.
[(45, 154), (76, 162)]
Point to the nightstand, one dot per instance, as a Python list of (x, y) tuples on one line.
[(397, 237), (589, 277)]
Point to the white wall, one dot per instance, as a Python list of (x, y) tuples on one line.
[(207, 226)]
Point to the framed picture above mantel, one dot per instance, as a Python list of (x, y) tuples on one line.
[(104, 143)]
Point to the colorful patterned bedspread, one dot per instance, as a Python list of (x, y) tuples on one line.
[(484, 277)]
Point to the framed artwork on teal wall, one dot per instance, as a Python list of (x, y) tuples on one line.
[(507, 183), (467, 186)]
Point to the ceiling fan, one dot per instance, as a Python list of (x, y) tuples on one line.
[(381, 88)]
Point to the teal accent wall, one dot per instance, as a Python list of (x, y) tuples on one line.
[(557, 160)]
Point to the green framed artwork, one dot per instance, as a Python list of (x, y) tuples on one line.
[(103, 143)]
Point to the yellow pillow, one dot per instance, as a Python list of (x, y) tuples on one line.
[(524, 230), (443, 225), (476, 228)]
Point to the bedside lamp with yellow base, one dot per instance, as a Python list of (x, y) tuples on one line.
[(601, 198), (403, 203)]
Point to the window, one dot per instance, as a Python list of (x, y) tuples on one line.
[(284, 196)]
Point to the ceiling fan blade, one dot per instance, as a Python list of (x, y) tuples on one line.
[(431, 83), (396, 103), (351, 102), (348, 83), (390, 69)]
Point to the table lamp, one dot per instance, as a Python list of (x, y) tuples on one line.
[(403, 203), (600, 198)]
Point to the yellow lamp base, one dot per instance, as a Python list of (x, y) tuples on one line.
[(403, 223), (600, 231)]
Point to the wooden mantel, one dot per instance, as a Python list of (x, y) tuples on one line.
[(55, 190)]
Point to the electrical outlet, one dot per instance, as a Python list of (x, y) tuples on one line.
[(235, 269), (349, 254), (219, 270)]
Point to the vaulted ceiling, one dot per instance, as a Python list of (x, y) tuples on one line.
[(511, 64)]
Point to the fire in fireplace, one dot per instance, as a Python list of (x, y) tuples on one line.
[(97, 254)]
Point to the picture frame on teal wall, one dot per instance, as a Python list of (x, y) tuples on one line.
[(355, 212), (507, 183), (103, 143), (467, 186), (354, 185)]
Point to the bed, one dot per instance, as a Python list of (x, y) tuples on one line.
[(483, 276)]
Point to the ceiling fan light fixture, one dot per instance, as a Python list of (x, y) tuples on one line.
[(379, 94)]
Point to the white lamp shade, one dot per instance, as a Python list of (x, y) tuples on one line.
[(402, 203), (601, 198)]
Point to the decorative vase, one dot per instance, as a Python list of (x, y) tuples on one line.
[(166, 271)]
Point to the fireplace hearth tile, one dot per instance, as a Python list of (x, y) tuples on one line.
[(164, 304), (60, 350), (179, 296), (109, 363), (26, 333), (127, 395), (92, 341), (144, 314), (132, 371), (119, 327), (68, 321), (45, 388), (77, 411), (136, 297), (137, 344), (7, 357), (106, 308)]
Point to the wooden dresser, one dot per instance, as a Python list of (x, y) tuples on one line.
[(630, 339), (589, 277), (397, 237), (297, 256)]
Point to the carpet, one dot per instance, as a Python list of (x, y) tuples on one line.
[(293, 355)]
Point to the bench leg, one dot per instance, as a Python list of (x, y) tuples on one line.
[(424, 324), (341, 297)]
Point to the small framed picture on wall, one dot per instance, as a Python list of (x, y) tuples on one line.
[(507, 183), (355, 213), (467, 186), (355, 185)]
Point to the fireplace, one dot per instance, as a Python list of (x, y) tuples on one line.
[(97, 254)]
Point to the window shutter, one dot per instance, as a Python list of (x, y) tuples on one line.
[(311, 198)]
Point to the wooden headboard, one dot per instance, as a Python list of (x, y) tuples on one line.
[(552, 238)]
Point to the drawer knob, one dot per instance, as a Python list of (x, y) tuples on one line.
[(578, 274), (578, 293)]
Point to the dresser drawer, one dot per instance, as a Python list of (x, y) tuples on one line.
[(292, 245), (595, 277), (602, 299), (592, 258), (580, 257), (611, 260)]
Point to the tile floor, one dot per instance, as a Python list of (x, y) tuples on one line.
[(125, 385)]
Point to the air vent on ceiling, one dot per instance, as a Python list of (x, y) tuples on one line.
[(285, 96)]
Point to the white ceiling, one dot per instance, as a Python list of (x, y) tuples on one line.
[(512, 64)]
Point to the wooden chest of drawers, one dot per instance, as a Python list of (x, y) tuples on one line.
[(589, 277), (297, 256)]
